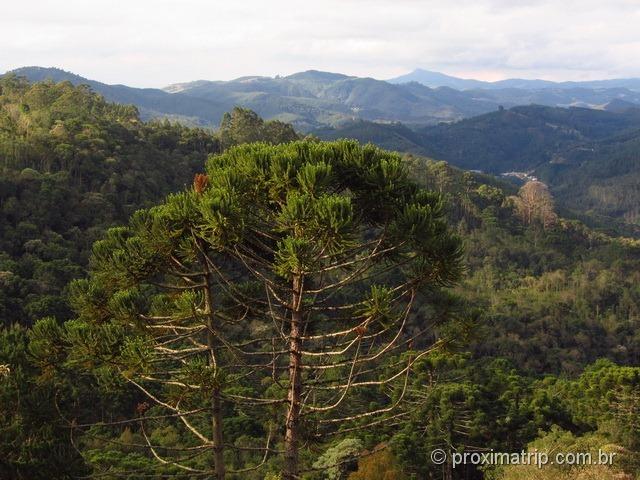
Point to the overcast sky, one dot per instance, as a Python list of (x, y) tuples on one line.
[(158, 42)]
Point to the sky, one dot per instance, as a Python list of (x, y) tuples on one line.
[(154, 43)]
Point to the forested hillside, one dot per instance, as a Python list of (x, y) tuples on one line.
[(555, 295), (600, 178), (294, 309), (522, 138), (587, 157), (72, 165)]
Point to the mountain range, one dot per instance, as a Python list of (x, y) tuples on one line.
[(311, 100)]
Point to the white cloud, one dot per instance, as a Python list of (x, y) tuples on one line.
[(153, 43)]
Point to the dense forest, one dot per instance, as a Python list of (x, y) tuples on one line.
[(247, 304), (73, 165)]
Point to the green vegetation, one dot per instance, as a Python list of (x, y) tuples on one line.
[(71, 166), (600, 178), (555, 295), (245, 126), (177, 304), (164, 311)]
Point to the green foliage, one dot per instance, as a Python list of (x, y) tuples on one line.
[(554, 299), (560, 441), (160, 309), (34, 441), (242, 125), (459, 403), (72, 165), (606, 398), (339, 460)]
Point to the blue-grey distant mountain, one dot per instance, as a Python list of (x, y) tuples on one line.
[(437, 79), (314, 99), (619, 106)]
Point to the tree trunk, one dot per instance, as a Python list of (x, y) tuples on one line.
[(295, 383), (216, 410)]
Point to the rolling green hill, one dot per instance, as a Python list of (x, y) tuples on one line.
[(72, 164), (397, 137), (522, 138)]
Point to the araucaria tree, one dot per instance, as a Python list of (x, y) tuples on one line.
[(344, 243), (287, 277)]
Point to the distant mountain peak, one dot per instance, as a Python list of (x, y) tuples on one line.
[(55, 74), (317, 75), (436, 79), (251, 78)]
